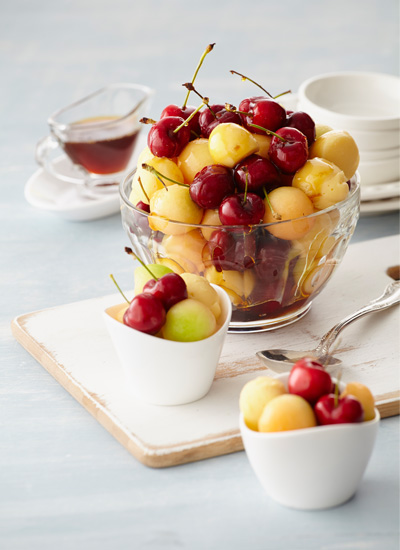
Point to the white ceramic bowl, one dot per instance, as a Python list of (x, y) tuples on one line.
[(380, 171), (379, 140), (382, 154), (312, 468), (353, 100), (163, 372)]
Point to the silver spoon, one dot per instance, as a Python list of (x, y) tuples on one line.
[(281, 360)]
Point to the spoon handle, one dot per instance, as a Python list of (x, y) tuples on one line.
[(390, 297)]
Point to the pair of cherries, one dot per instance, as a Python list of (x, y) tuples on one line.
[(147, 311), (289, 148), (310, 380)]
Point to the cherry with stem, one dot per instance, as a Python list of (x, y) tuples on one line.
[(206, 51)]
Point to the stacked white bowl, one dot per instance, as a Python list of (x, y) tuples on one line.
[(367, 105)]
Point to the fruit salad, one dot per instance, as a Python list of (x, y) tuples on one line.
[(248, 197), (183, 308), (311, 398)]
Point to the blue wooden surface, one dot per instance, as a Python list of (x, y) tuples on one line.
[(64, 481)]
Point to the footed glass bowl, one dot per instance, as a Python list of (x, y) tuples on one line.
[(271, 272)]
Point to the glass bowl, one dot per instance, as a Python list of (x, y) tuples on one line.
[(271, 281)]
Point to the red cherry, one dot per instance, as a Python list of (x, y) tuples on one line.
[(271, 259), (145, 313), (309, 380), (211, 185), (208, 121), (263, 112), (175, 110), (163, 141), (241, 210), (228, 251), (261, 173), (169, 289), (291, 153), (143, 206), (303, 122), (331, 409)]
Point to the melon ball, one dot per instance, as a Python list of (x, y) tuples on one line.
[(338, 147), (200, 289), (255, 395), (230, 143), (286, 412), (194, 157), (188, 321), (322, 181), (173, 203), (288, 203)]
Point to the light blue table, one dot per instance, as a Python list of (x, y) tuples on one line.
[(64, 481)]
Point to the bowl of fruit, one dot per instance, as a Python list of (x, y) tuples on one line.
[(169, 337), (307, 436), (258, 200)]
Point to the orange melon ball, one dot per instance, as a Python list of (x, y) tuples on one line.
[(288, 203)]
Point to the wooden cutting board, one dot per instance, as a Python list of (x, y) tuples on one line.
[(72, 343)]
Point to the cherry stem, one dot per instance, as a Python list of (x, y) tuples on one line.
[(270, 132), (206, 51), (146, 120), (190, 87), (117, 285), (185, 122), (159, 176), (245, 170), (274, 214), (283, 93), (143, 190), (232, 109), (250, 80), (130, 252), (337, 388)]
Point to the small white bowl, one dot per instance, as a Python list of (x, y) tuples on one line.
[(353, 100), (380, 171), (377, 155), (312, 468), (379, 140), (164, 372)]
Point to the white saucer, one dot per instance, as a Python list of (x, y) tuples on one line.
[(68, 200), (380, 191), (368, 208)]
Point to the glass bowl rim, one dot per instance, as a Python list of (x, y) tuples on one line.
[(354, 192)]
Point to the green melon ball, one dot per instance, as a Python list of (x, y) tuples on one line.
[(142, 275), (188, 321)]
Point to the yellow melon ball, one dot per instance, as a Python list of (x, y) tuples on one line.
[(255, 395), (194, 157), (322, 181), (173, 203), (321, 129), (238, 285), (117, 312), (288, 203), (264, 142), (150, 182), (338, 147), (230, 143), (186, 249), (200, 289), (364, 396), (144, 156), (210, 217), (286, 412)]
